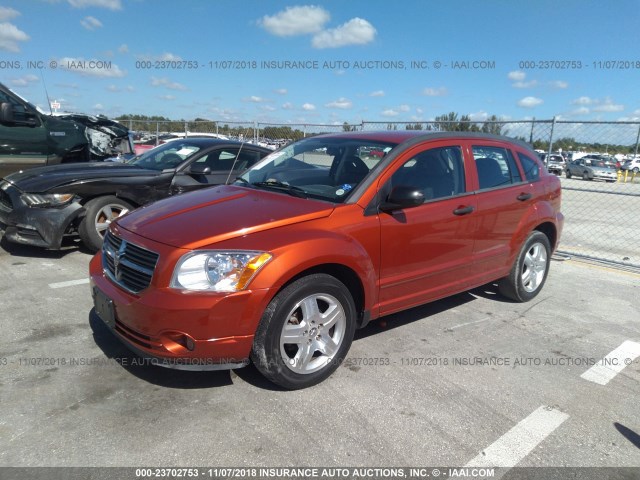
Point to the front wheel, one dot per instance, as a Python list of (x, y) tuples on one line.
[(529, 271), (99, 213), (305, 332), (568, 173), (585, 176)]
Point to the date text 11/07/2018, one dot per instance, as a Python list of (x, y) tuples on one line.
[(579, 65)]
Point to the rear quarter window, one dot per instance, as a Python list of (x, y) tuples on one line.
[(530, 166)]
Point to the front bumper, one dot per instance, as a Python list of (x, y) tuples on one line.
[(181, 330), (605, 176), (40, 227)]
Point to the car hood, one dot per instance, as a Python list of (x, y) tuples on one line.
[(103, 124), (202, 218), (42, 179)]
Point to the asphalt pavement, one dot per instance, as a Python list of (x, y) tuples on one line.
[(462, 381)]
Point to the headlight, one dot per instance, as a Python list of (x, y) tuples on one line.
[(218, 271), (47, 200)]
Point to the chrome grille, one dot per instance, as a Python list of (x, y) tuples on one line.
[(126, 264), (5, 199)]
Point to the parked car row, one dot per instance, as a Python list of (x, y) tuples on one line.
[(42, 205)]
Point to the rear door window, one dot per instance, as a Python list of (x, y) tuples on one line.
[(496, 167)]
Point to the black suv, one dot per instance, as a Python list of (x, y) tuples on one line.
[(32, 138)]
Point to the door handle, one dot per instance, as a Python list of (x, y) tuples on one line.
[(463, 210), (524, 196)]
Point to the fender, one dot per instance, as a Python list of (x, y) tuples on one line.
[(306, 249)]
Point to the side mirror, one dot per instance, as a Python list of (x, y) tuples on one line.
[(6, 112), (199, 169), (403, 196)]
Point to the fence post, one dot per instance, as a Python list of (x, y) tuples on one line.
[(533, 123), (637, 141), (304, 131), (551, 137), (157, 132)]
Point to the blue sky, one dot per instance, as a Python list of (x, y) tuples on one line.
[(383, 37)]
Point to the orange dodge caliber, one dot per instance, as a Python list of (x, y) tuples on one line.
[(320, 237)]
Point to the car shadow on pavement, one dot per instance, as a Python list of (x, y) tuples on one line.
[(414, 314), (163, 377), (69, 245)]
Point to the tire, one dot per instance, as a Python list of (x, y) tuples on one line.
[(585, 176), (636, 170), (99, 213), (305, 332), (568, 174), (529, 271)]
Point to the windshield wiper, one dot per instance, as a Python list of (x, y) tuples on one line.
[(290, 189), (241, 180)]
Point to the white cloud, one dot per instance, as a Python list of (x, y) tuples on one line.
[(529, 84), (166, 97), (169, 57), (356, 31), (108, 4), (113, 88), (295, 21), (268, 108), (166, 57), (165, 82), (434, 92), (308, 107), (10, 35), (404, 108), (559, 84), (7, 13), (342, 103), (580, 111), (377, 93), (124, 48), (129, 88), (91, 68), (281, 91), (24, 81), (98, 106), (608, 106), (287, 106), (480, 116), (517, 76), (529, 102), (636, 112), (390, 113), (582, 101), (90, 23), (254, 99)]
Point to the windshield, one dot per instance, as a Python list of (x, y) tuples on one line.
[(325, 168), (169, 155)]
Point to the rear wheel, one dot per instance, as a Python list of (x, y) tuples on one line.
[(635, 170), (568, 173), (529, 271), (100, 212), (305, 332)]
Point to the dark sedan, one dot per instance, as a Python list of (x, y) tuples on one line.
[(41, 205)]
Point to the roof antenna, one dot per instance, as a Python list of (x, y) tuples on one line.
[(46, 93)]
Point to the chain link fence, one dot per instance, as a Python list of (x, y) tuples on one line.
[(602, 220)]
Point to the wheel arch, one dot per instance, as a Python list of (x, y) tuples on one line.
[(550, 230), (345, 275)]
